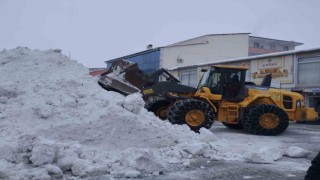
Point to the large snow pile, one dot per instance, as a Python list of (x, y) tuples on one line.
[(57, 122)]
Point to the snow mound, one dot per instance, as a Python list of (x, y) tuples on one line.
[(297, 152), (133, 103), (265, 155), (57, 122)]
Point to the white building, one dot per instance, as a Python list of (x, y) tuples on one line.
[(204, 49)]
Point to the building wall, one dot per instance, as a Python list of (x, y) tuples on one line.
[(281, 68), (267, 45), (216, 47), (258, 46), (307, 80), (189, 77), (258, 51)]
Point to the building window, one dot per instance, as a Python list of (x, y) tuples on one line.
[(308, 69), (286, 48), (148, 62), (261, 46), (256, 45), (189, 78), (273, 47)]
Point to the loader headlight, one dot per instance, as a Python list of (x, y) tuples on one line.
[(298, 103)]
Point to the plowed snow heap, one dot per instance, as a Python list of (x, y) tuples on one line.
[(56, 122)]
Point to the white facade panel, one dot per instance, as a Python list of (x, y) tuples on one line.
[(216, 47)]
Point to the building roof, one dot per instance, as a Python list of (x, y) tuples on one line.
[(262, 51), (97, 72), (185, 42), (230, 67), (248, 58), (279, 41)]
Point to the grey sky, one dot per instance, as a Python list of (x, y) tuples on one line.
[(97, 30)]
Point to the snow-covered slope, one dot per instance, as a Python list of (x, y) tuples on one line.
[(55, 121)]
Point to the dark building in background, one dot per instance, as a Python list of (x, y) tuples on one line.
[(148, 61)]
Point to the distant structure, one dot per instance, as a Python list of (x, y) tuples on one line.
[(205, 49)]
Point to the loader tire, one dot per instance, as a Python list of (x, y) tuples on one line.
[(265, 119), (233, 126), (195, 113), (159, 106)]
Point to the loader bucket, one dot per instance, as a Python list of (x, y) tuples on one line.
[(124, 77)]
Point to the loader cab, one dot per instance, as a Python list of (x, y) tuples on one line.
[(228, 81)]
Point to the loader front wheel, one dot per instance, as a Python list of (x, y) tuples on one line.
[(195, 113), (265, 119), (159, 106)]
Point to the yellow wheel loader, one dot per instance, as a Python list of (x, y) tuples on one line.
[(223, 94)]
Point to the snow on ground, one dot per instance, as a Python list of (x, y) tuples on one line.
[(57, 122)]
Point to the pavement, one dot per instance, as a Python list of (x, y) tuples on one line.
[(303, 135)]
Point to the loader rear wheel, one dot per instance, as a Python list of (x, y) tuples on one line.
[(233, 126), (265, 119), (195, 113), (159, 106)]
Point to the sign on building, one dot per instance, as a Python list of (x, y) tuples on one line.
[(281, 69)]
